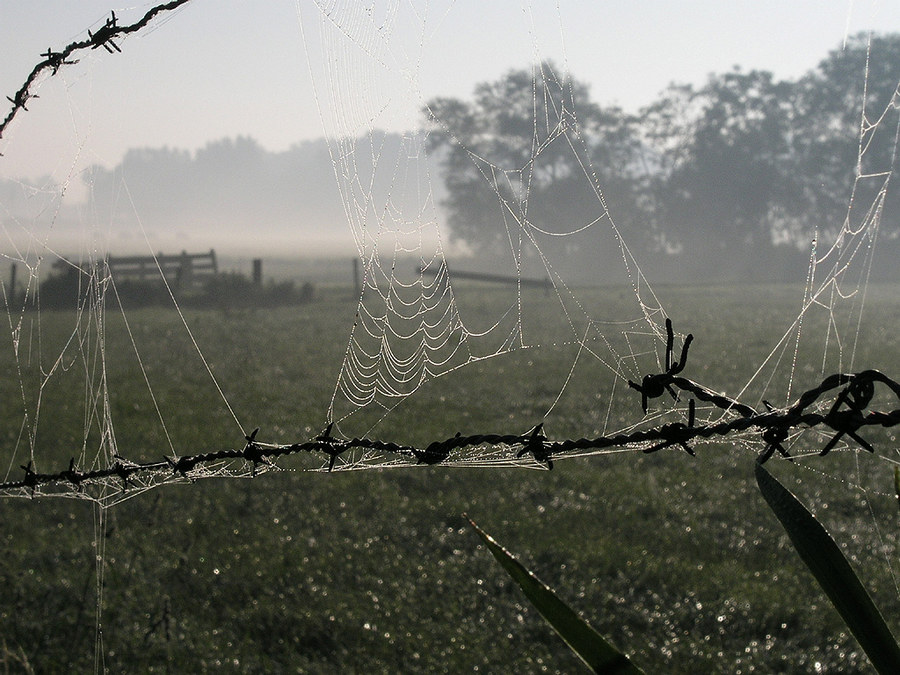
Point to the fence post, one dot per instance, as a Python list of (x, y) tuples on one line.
[(11, 295), (257, 271), (356, 284), (186, 272)]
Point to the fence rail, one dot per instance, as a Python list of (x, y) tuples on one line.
[(182, 271), (841, 403), (489, 278)]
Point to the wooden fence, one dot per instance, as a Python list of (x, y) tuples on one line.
[(184, 270)]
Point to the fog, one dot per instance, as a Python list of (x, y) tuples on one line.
[(231, 195), (185, 140), (743, 179)]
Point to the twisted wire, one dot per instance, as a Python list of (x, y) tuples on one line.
[(848, 415), (53, 60)]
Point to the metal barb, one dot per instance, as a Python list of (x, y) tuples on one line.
[(655, 385), (678, 433), (252, 452), (102, 38), (856, 396), (535, 443)]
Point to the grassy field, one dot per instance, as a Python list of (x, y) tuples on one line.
[(675, 558)]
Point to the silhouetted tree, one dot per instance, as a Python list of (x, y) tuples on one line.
[(847, 126), (724, 167), (531, 156)]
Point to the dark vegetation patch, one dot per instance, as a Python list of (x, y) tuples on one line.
[(71, 287)]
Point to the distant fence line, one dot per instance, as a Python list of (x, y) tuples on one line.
[(490, 278)]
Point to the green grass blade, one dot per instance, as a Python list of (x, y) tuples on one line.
[(897, 483), (833, 572), (587, 643)]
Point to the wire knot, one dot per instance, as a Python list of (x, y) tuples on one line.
[(536, 444), (655, 385), (253, 452), (678, 433), (333, 447)]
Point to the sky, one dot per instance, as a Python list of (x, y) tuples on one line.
[(284, 71)]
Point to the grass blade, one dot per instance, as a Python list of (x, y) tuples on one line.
[(831, 569), (587, 643), (897, 484)]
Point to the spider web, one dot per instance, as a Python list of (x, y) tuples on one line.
[(417, 322), (427, 350), (412, 326)]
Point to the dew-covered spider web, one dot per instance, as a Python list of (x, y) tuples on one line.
[(551, 292), (520, 273)]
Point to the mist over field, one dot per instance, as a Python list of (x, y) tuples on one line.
[(231, 195), (741, 179)]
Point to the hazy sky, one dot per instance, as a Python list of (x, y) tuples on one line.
[(219, 68)]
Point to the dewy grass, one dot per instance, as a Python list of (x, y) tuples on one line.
[(374, 570), (834, 573), (588, 644)]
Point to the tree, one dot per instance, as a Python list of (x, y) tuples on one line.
[(750, 170), (532, 157), (847, 129), (724, 168), (735, 177)]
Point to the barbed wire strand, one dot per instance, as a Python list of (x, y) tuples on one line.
[(847, 416), (103, 37)]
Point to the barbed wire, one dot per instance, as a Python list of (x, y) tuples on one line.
[(848, 415), (103, 37)]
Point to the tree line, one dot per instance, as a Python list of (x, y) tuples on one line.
[(740, 173)]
